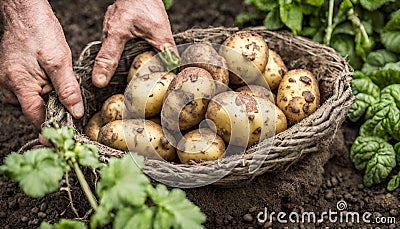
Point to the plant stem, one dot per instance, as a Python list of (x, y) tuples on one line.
[(357, 23), (329, 29), (85, 186)]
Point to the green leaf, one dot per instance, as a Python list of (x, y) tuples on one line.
[(316, 3), (185, 213), (372, 5), (122, 184), (291, 15), (344, 28), (375, 155), (134, 218), (394, 183), (58, 136), (383, 118), (163, 219), (390, 37), (265, 5), (388, 75), (88, 155), (396, 148), (377, 59), (391, 40), (344, 45), (64, 224), (37, 171), (366, 94), (273, 21), (246, 17), (168, 4), (119, 180)]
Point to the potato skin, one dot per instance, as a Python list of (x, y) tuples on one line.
[(138, 135), (204, 56), (113, 108), (93, 127), (145, 93), (200, 145), (246, 54), (298, 95), (257, 91), (235, 112), (145, 63), (280, 121), (274, 71), (187, 97)]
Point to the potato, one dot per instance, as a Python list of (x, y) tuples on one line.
[(113, 108), (93, 127), (144, 94), (280, 121), (186, 100), (273, 72), (298, 95), (258, 91), (204, 56), (240, 119), (200, 145), (138, 135), (145, 63), (246, 54)]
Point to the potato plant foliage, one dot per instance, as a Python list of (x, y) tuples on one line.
[(126, 197)]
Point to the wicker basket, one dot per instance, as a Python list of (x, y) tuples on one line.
[(307, 136)]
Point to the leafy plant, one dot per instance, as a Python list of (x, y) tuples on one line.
[(127, 199), (376, 156), (366, 93), (354, 28)]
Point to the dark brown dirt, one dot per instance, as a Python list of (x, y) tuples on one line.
[(316, 183)]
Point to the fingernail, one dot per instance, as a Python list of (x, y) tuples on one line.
[(77, 110), (101, 79)]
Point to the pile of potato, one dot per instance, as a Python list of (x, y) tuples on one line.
[(239, 95)]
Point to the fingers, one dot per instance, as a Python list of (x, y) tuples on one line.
[(64, 81), (32, 106), (107, 59)]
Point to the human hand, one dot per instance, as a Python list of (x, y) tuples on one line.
[(123, 21), (34, 57)]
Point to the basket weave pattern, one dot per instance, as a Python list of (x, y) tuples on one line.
[(308, 136)]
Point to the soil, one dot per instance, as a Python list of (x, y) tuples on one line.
[(316, 183)]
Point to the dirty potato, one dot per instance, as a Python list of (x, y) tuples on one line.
[(186, 100), (258, 91), (246, 54), (113, 108), (200, 145), (145, 93), (204, 56), (241, 119), (274, 71), (93, 127), (145, 63), (138, 135), (298, 95)]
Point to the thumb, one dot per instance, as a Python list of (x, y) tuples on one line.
[(107, 60)]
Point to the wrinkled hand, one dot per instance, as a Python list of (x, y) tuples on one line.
[(34, 57), (125, 20)]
